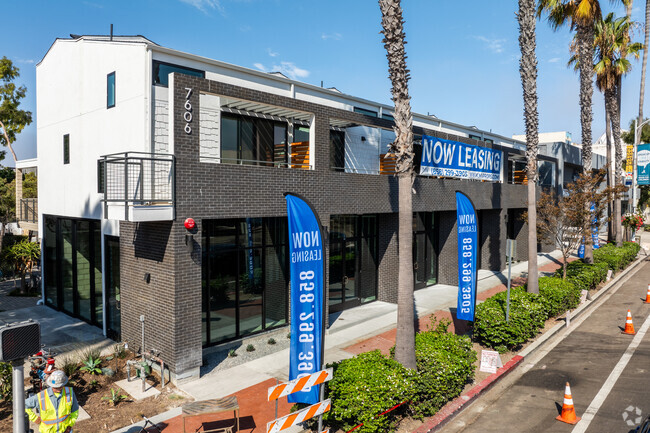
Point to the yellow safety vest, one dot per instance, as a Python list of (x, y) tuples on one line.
[(49, 418)]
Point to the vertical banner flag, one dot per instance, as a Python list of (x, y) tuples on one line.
[(306, 267), (467, 245), (595, 240), (643, 164), (629, 164)]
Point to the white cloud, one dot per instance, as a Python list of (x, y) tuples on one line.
[(28, 61), (554, 60), (271, 52), (335, 36), (204, 5), (494, 45), (286, 68)]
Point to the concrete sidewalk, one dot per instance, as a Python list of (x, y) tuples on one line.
[(350, 332)]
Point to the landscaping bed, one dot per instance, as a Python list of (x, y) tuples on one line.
[(371, 383), (94, 391)]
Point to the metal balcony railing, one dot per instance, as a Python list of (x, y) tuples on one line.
[(28, 210), (138, 179)]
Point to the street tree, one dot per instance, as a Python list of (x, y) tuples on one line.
[(646, 41), (528, 72), (12, 119), (567, 220), (402, 150), (23, 255), (612, 47)]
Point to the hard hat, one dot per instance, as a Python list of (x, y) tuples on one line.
[(57, 379)]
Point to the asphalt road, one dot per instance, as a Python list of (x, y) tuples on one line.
[(609, 373)]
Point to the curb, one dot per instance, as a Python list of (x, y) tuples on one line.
[(452, 408)]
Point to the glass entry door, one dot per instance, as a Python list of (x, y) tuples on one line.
[(425, 257), (352, 261)]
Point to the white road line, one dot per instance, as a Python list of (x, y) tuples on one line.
[(591, 411)]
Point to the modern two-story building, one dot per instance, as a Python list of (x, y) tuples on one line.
[(134, 138)]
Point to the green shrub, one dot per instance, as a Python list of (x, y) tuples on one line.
[(617, 257), (585, 276), (527, 316), (557, 296), (362, 388), (445, 363), (6, 372)]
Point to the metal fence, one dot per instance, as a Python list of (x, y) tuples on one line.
[(138, 178)]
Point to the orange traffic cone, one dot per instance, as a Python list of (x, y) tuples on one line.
[(647, 296), (629, 327), (568, 412)]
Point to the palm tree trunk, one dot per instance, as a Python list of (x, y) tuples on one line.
[(585, 34), (528, 72), (393, 30), (610, 176), (645, 61), (612, 102)]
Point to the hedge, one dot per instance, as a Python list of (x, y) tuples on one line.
[(362, 388), (585, 276), (371, 383), (527, 316), (445, 363), (616, 257), (557, 295)]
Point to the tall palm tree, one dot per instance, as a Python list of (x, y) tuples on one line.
[(402, 148), (612, 47), (581, 16), (528, 72), (646, 40)]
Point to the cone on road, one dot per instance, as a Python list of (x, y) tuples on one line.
[(568, 414), (647, 296), (629, 327)]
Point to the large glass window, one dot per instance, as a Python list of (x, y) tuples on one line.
[(425, 256), (72, 267), (162, 70), (352, 260), (257, 141), (245, 277)]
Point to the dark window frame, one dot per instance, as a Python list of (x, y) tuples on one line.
[(155, 69), (100, 176), (66, 148), (109, 90), (366, 112)]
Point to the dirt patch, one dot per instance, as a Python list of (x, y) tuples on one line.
[(91, 389)]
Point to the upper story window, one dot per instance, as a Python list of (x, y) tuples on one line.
[(387, 117), (66, 149), (162, 70), (365, 112), (110, 90)]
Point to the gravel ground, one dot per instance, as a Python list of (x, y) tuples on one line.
[(219, 359)]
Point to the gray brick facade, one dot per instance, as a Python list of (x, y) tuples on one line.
[(171, 301)]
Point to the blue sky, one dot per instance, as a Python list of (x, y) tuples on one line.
[(463, 56)]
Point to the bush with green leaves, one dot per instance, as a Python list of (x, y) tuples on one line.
[(585, 276), (445, 363), (92, 366), (6, 372), (617, 257), (557, 296), (365, 386), (527, 316)]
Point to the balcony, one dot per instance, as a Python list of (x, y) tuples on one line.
[(138, 186)]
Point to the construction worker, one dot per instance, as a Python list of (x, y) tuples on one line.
[(54, 409)]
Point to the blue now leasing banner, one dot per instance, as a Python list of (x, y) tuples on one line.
[(467, 246), (306, 253), (455, 159)]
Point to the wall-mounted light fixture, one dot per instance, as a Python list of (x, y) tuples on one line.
[(147, 277)]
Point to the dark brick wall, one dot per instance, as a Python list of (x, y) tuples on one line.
[(493, 237), (520, 233), (388, 257), (216, 191)]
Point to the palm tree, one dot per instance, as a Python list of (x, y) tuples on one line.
[(612, 45), (581, 16), (402, 148), (644, 64), (528, 72)]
